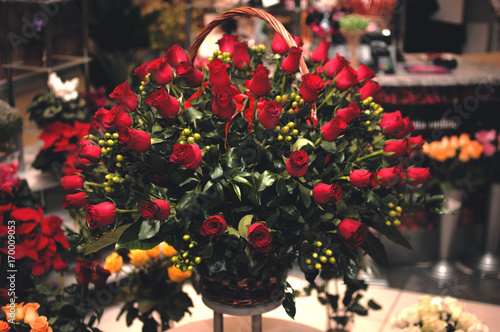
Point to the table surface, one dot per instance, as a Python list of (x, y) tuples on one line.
[(243, 324)]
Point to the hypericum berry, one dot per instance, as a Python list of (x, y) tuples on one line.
[(104, 151), (220, 57), (110, 142), (108, 149), (288, 138), (184, 255), (285, 129), (399, 209), (293, 95), (210, 59), (295, 132), (92, 136), (107, 189), (197, 260), (280, 137), (308, 261), (107, 135), (290, 111), (186, 237), (278, 99), (262, 47), (328, 252), (190, 268), (190, 140), (290, 124), (216, 53), (397, 222), (369, 129), (391, 205), (368, 123), (323, 259), (119, 157), (191, 245), (182, 142), (174, 259), (196, 136), (388, 223), (186, 132), (116, 136), (295, 104), (115, 179), (297, 98), (332, 260), (319, 244), (315, 255), (108, 176), (318, 266), (301, 101), (106, 184), (118, 164), (284, 98), (101, 142), (392, 213)]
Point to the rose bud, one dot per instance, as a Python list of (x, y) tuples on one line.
[(369, 89), (334, 66), (332, 129), (175, 55), (349, 113), (192, 76), (259, 84), (352, 233), (124, 97), (186, 155), (279, 45), (416, 143), (417, 175), (96, 124), (158, 209), (166, 105), (298, 41), (142, 71), (407, 129), (298, 163), (116, 119), (71, 182), (397, 148), (270, 113), (311, 87), (259, 237), (58, 263), (223, 104), (392, 122), (81, 163), (363, 179), (214, 225), (241, 59), (99, 275), (364, 73), (100, 214), (324, 193), (218, 73), (320, 54), (89, 151), (391, 176), (75, 201), (135, 140), (226, 43), (290, 64), (160, 71), (83, 271), (346, 79)]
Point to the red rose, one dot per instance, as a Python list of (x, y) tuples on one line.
[(214, 225), (269, 114), (407, 129), (223, 104), (81, 163), (362, 179), (99, 275), (88, 150), (298, 41), (349, 113), (83, 271), (352, 232), (226, 43), (240, 57), (332, 129), (124, 97), (218, 73), (311, 87), (416, 143), (176, 55), (186, 155), (259, 237), (135, 140), (369, 89), (364, 73), (161, 71), (392, 122), (200, 63), (116, 119), (142, 71), (324, 193), (259, 84), (58, 263), (290, 64), (297, 163), (417, 175), (75, 201), (346, 79), (166, 105), (320, 54), (334, 66), (398, 148), (192, 76), (158, 209), (279, 45), (100, 215), (71, 182), (96, 124), (391, 176)]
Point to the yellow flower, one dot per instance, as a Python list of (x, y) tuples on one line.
[(113, 263), (154, 253), (176, 275), (30, 312), (138, 257), (167, 250), (40, 324), (14, 311), (4, 326)]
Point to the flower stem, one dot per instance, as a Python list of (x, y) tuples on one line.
[(126, 211), (373, 154), (378, 139), (255, 111), (94, 184), (341, 178), (328, 97), (283, 84), (62, 285), (172, 88), (318, 141)]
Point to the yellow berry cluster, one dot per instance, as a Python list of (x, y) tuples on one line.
[(184, 260), (224, 56), (110, 180), (393, 214), (287, 130), (323, 256), (377, 109), (143, 83), (258, 49), (294, 101), (187, 138)]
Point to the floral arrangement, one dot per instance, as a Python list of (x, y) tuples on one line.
[(437, 314), (244, 173)]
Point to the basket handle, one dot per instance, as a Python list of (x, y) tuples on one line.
[(247, 11)]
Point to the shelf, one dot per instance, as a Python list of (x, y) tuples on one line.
[(69, 61)]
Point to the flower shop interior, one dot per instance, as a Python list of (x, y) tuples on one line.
[(250, 165)]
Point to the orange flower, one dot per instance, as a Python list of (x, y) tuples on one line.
[(154, 253), (30, 312), (440, 150), (167, 250), (473, 149), (14, 311), (176, 275), (40, 324), (113, 263), (138, 257), (464, 139), (4, 326)]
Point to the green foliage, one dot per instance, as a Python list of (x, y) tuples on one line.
[(46, 109), (11, 122)]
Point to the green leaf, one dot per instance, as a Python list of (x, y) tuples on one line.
[(300, 143), (216, 172), (376, 250), (271, 220), (305, 195), (290, 211), (129, 239), (374, 305), (358, 309), (231, 159), (192, 114), (149, 228), (396, 236), (266, 180), (330, 147), (281, 187), (242, 180), (289, 305), (155, 140), (237, 190), (373, 199), (233, 231), (106, 240), (244, 224), (333, 300)]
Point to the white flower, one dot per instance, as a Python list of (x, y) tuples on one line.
[(408, 316), (466, 320), (414, 328), (66, 91), (431, 323), (456, 309), (478, 327)]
